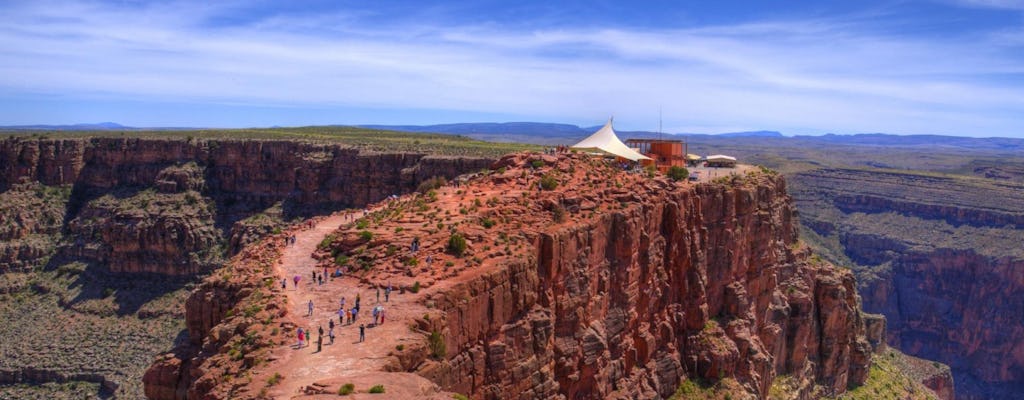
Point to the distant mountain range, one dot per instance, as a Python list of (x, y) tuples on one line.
[(553, 133), (102, 126)]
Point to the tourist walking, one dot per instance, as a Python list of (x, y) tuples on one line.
[(330, 333), (382, 317), (319, 342), (301, 337), (284, 283), (387, 293), (310, 314), (362, 333)]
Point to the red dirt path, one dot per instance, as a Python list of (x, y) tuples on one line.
[(346, 361)]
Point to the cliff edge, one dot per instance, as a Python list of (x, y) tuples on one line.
[(546, 277)]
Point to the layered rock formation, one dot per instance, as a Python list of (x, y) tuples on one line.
[(663, 282), (612, 285), (153, 211), (155, 205), (940, 257)]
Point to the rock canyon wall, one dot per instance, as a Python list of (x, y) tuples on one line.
[(629, 294), (697, 282), (940, 257), (170, 206)]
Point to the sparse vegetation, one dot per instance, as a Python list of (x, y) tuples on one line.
[(677, 173), (377, 389), (346, 389), (275, 379), (548, 182), (457, 244), (438, 349), (558, 213)]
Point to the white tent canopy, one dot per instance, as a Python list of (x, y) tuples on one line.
[(721, 157), (605, 140)]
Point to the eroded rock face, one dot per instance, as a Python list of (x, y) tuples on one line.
[(685, 281), (940, 257), (643, 283), (169, 206)]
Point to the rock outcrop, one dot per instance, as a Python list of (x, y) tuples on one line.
[(610, 285), (664, 282)]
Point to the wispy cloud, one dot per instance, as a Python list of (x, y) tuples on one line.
[(808, 75)]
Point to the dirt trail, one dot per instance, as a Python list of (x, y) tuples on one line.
[(346, 358)]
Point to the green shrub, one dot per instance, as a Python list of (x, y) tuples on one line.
[(415, 287), (548, 182), (537, 163), (341, 259), (362, 224), (366, 235), (437, 347), (376, 389), (677, 173), (457, 396), (457, 244), (274, 379), (487, 223), (400, 347), (346, 389)]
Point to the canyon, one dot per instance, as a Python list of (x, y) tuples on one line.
[(163, 237), (583, 290), (103, 238)]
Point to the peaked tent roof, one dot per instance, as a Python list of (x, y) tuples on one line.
[(606, 141)]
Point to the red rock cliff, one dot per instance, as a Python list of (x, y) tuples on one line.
[(681, 281), (163, 205)]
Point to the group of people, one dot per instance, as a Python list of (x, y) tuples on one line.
[(557, 149), (289, 240), (346, 316)]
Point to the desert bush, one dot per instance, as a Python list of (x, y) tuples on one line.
[(548, 182), (346, 389), (377, 389), (273, 380), (437, 347), (366, 235), (677, 173), (457, 244)]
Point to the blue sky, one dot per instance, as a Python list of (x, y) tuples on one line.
[(952, 67)]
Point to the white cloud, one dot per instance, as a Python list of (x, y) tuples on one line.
[(800, 76)]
